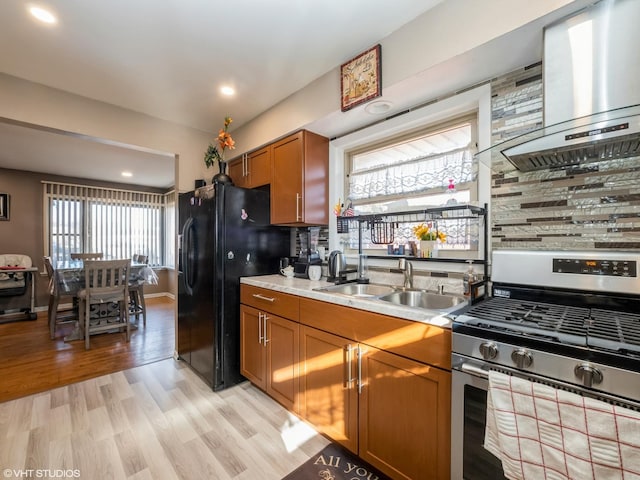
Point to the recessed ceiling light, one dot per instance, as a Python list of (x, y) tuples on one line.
[(227, 90), (127, 174), (43, 15), (378, 107)]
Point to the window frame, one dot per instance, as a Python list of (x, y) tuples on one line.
[(151, 206), (427, 128)]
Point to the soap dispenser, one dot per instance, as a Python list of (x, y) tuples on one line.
[(468, 279)]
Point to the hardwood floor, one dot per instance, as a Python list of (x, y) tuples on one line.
[(32, 362), (157, 421), (129, 411)]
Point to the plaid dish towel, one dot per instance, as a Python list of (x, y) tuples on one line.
[(539, 432)]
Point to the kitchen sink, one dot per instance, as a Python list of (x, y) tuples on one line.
[(423, 299), (359, 289)]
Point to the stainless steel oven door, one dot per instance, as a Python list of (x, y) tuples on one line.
[(469, 385), (469, 459)]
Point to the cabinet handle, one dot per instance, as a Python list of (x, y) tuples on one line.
[(245, 165), (264, 329), (360, 352), (260, 336), (262, 297), (349, 358), (298, 207)]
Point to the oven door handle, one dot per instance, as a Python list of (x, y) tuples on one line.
[(477, 371), (473, 370)]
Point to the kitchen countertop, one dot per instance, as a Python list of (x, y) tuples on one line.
[(305, 288)]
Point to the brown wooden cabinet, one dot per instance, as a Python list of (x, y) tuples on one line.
[(393, 411), (404, 416), (269, 353), (252, 169), (299, 184), (378, 385), (328, 395)]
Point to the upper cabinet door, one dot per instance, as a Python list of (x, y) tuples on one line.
[(299, 189), (259, 167), (236, 170), (252, 169)]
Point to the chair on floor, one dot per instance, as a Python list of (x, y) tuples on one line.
[(137, 306), (106, 292), (57, 316), (87, 256)]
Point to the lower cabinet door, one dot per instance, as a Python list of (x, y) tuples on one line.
[(252, 351), (404, 416), (282, 360), (328, 394)]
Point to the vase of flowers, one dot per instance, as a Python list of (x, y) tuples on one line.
[(429, 239), (215, 153)]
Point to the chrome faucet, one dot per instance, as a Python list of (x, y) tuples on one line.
[(407, 268)]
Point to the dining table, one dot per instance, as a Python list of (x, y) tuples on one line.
[(70, 277)]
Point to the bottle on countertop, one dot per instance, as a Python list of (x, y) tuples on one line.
[(469, 278)]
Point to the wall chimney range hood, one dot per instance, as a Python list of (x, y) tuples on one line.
[(591, 73), (607, 135)]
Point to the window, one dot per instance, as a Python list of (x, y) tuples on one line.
[(118, 223), (425, 168)]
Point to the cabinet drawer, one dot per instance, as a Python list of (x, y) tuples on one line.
[(419, 341), (272, 301)]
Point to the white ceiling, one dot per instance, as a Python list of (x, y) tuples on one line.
[(168, 58)]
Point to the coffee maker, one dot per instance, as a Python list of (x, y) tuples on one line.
[(308, 239)]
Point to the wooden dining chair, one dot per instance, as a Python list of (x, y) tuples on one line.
[(106, 285), (137, 306), (57, 316), (87, 256)]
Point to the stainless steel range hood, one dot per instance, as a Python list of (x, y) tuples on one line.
[(607, 135), (591, 91)]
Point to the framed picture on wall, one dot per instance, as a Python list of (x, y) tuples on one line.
[(4, 206), (361, 79)]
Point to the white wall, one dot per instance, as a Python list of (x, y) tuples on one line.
[(424, 51), (36, 104), (452, 29)]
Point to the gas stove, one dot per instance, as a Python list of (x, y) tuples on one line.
[(571, 317)]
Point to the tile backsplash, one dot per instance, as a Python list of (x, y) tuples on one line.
[(588, 206)]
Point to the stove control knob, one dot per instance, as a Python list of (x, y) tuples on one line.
[(588, 374), (488, 350), (522, 358)]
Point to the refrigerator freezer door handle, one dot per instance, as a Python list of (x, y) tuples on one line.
[(186, 266)]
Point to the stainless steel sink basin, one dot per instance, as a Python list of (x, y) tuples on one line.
[(358, 289), (422, 299)]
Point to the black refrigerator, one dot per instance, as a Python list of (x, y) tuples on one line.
[(224, 235)]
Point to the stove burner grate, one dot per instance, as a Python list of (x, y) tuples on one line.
[(606, 329), (615, 330)]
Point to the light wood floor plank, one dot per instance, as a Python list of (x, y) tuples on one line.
[(13, 450), (37, 448), (201, 455), (60, 426), (40, 411), (159, 422), (109, 460), (60, 454), (132, 458)]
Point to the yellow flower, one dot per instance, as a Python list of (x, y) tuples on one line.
[(216, 153), (425, 232)]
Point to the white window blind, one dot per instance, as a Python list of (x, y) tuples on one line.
[(428, 168), (118, 223)]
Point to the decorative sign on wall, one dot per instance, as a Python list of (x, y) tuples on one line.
[(361, 79), (4, 206)]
